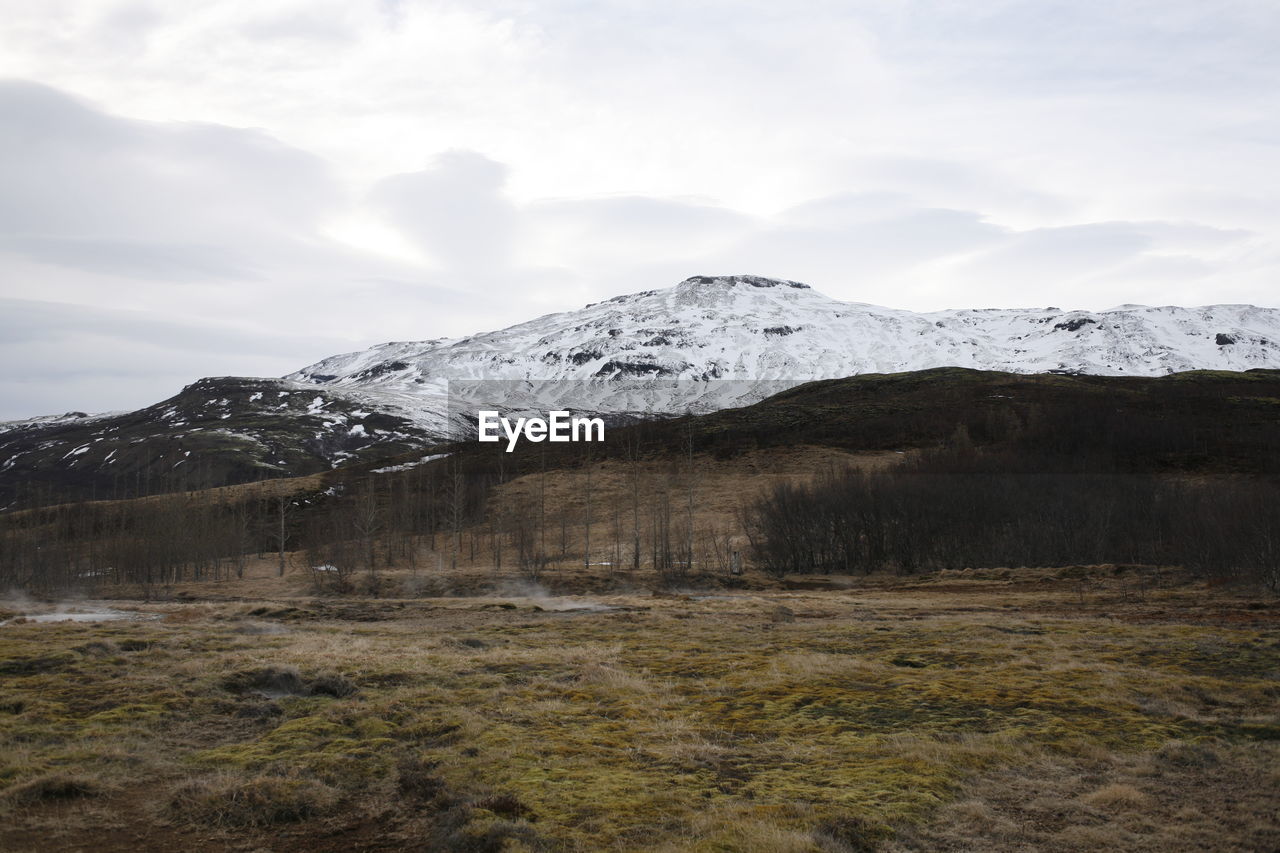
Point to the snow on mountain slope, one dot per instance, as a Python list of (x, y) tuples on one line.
[(42, 421), (753, 328), (705, 344)]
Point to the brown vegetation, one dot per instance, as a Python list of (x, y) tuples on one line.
[(1010, 709)]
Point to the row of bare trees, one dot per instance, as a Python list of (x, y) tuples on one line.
[(626, 512), (621, 511), (964, 508), (150, 542), (362, 524)]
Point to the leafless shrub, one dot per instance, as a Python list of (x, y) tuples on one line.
[(255, 802)]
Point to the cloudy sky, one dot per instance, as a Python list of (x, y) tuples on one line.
[(213, 187)]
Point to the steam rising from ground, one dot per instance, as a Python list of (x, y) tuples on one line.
[(30, 610), (537, 594)]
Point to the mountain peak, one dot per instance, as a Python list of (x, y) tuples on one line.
[(757, 329), (700, 281)]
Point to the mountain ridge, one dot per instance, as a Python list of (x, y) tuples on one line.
[(708, 343), (775, 318)]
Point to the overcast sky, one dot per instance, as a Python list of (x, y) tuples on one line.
[(211, 188)]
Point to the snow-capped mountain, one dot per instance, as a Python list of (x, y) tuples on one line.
[(706, 344), (653, 351)]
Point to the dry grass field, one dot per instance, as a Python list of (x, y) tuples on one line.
[(1001, 710)]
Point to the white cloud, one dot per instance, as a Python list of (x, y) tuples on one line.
[(456, 210), (289, 179)]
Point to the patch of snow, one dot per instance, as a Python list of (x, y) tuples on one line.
[(407, 465)]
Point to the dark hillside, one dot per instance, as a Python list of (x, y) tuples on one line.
[(1008, 439), (222, 432), (1202, 422), (215, 432)]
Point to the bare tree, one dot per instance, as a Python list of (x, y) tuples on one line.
[(366, 518), (283, 506), (586, 548), (632, 447), (689, 482)]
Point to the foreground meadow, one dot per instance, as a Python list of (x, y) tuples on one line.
[(957, 713)]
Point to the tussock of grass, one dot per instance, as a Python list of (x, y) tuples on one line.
[(849, 835), (1115, 795), (476, 830), (279, 681), (259, 801), (99, 648), (53, 786), (342, 752), (39, 663)]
